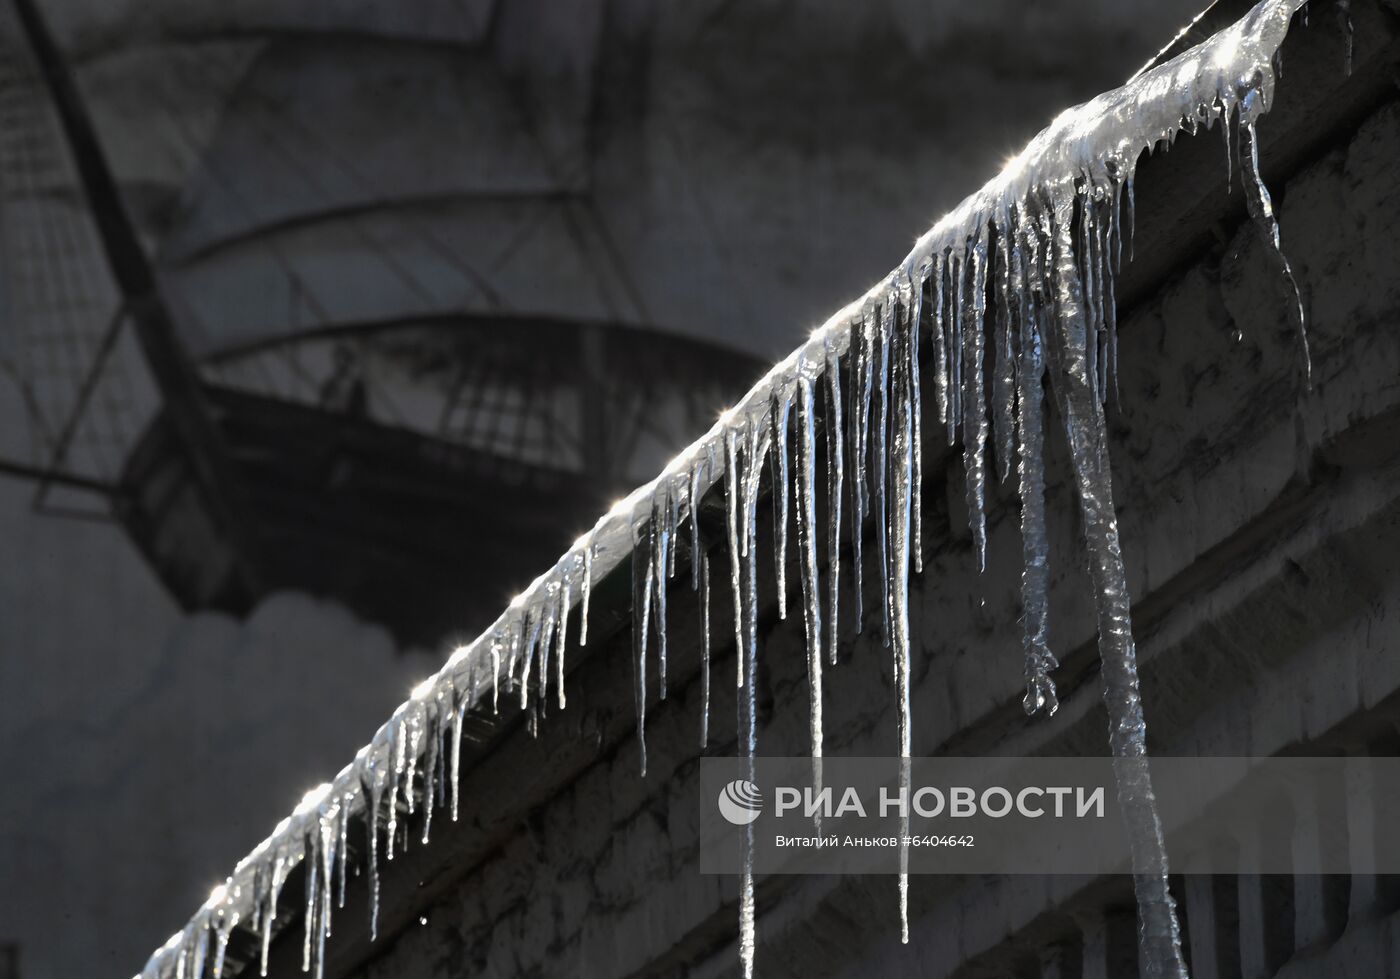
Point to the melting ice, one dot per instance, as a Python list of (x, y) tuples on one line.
[(1011, 290)]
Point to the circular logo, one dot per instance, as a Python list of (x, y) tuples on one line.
[(740, 802)]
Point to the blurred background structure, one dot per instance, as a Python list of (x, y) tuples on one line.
[(325, 327)]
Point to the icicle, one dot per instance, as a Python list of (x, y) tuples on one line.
[(748, 937), (310, 916), (864, 392), (1261, 209), (1111, 275), (643, 576), (391, 824), (753, 470), (225, 920), (1224, 110), (342, 849), (443, 726), (957, 271), (373, 800), (269, 912), (916, 313), (732, 489), (531, 633), (1004, 380), (586, 592), (807, 542), (495, 675), (902, 475), (905, 787), (854, 417), (1085, 431), (415, 747), (704, 579), (749, 699), (695, 495), (673, 524), (974, 396), (1115, 168), (515, 634), (835, 476), (778, 415), (1132, 213), (181, 946), (459, 714), (547, 629), (565, 593), (326, 827), (1092, 300), (431, 718), (1104, 298), (884, 326), (661, 530), (940, 343), (201, 949), (1035, 543)]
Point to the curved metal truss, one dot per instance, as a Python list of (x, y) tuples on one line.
[(611, 403)]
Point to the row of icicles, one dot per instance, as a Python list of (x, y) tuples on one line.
[(1027, 294)]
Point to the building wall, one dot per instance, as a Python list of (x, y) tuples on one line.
[(1259, 522)]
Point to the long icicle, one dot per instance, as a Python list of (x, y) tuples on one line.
[(778, 467), (643, 571), (1004, 380), (432, 715), (326, 826), (957, 290), (396, 748), (1261, 209), (835, 477), (704, 599), (311, 914), (1035, 544), (974, 396), (807, 542), (275, 881), (732, 489), (693, 496), (748, 615), (916, 316), (940, 341), (854, 420), (1086, 433), (461, 704), (343, 849), (902, 475), (373, 800), (884, 327), (661, 531)]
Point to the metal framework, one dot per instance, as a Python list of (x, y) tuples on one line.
[(357, 460)]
